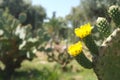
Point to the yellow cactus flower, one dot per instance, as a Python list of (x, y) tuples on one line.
[(75, 49), (83, 30)]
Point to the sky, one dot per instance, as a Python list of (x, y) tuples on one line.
[(61, 7)]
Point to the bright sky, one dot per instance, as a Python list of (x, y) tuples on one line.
[(62, 7)]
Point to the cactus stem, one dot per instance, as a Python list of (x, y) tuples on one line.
[(91, 45), (84, 61)]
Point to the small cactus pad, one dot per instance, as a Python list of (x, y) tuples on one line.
[(84, 61), (103, 26), (91, 45), (114, 12)]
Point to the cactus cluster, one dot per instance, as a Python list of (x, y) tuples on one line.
[(105, 57), (17, 42)]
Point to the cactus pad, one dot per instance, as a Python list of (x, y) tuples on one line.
[(103, 26), (107, 64), (114, 12)]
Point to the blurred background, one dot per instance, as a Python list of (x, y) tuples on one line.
[(35, 35)]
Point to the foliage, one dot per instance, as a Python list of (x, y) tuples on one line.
[(89, 10), (37, 70), (106, 57), (17, 43), (56, 27), (55, 30), (34, 14), (56, 50)]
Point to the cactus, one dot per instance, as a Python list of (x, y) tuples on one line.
[(114, 12), (84, 31), (107, 63), (17, 43), (22, 17), (103, 26), (105, 57)]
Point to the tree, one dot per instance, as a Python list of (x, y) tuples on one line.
[(17, 43), (34, 14), (89, 10), (56, 26), (58, 31)]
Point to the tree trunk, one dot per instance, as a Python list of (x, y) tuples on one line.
[(8, 71)]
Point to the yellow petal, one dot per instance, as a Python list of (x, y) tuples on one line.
[(75, 49), (83, 31)]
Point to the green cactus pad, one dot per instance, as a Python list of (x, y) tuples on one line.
[(107, 64), (103, 26), (84, 61), (114, 12), (91, 45)]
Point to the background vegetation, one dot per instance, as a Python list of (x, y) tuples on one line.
[(46, 58)]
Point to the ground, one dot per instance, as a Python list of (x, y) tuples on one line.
[(41, 69)]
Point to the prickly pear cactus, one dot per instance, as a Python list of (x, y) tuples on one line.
[(105, 57), (107, 64)]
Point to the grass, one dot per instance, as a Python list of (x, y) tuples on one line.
[(43, 70), (80, 73)]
